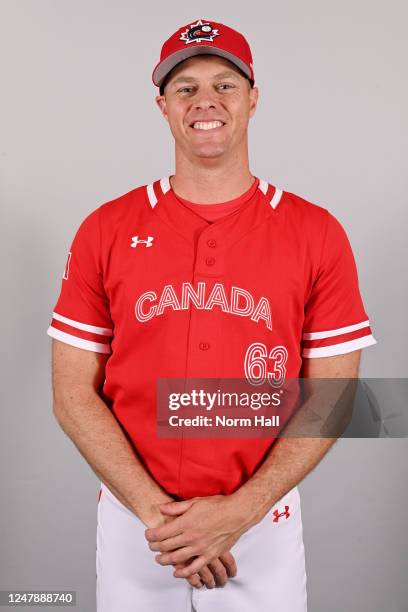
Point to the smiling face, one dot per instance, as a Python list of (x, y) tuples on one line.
[(208, 103)]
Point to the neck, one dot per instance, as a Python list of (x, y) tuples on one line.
[(211, 181)]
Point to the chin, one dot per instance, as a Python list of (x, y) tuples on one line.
[(209, 152)]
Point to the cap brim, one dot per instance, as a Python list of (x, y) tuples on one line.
[(163, 68)]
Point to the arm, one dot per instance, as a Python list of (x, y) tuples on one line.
[(77, 378), (291, 459), (226, 518)]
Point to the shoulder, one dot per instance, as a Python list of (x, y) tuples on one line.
[(104, 221), (305, 209), (129, 203), (311, 217)]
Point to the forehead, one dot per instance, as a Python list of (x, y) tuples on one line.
[(204, 65)]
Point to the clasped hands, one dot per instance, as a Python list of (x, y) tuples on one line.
[(198, 538)]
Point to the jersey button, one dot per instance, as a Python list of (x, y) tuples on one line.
[(211, 242), (210, 261), (204, 346)]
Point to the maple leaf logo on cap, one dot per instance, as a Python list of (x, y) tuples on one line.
[(198, 32)]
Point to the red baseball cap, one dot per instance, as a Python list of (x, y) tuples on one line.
[(204, 36)]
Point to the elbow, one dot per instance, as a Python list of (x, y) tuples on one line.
[(58, 411)]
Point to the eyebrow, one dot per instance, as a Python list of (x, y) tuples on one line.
[(220, 75)]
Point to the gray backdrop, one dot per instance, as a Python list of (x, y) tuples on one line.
[(79, 127)]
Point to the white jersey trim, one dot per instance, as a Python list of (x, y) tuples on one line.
[(276, 197), (263, 186), (335, 332), (151, 195), (88, 345), (103, 331), (165, 184), (339, 349)]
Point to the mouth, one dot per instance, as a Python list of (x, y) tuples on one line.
[(207, 126)]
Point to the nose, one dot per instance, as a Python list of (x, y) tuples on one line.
[(204, 104), (204, 99)]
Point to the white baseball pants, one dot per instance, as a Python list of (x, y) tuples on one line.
[(270, 560)]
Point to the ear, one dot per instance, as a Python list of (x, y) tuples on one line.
[(253, 100), (161, 103)]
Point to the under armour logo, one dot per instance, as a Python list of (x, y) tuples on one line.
[(278, 514), (136, 240)]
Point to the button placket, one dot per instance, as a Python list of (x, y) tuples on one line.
[(204, 333), (209, 259)]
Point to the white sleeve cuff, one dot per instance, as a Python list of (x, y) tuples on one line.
[(341, 348), (87, 345)]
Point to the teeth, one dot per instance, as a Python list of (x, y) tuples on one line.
[(210, 125)]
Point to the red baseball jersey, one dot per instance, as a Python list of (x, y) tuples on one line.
[(167, 293)]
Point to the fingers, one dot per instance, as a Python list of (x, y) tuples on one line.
[(168, 545), (215, 574), (230, 564), (193, 568), (179, 556), (169, 530), (194, 580), (174, 508), (211, 575), (219, 572)]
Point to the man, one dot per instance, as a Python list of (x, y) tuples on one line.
[(211, 272)]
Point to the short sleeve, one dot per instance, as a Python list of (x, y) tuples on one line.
[(335, 318), (81, 316)]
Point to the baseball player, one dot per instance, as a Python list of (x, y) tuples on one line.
[(209, 272)]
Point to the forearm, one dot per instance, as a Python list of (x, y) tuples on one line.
[(307, 437), (92, 427), (287, 463)]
